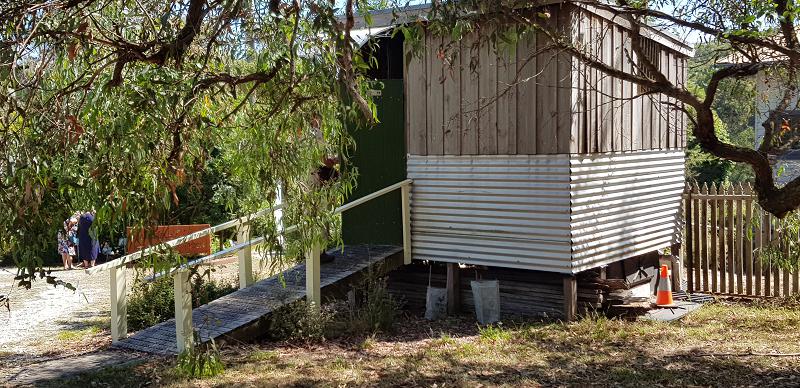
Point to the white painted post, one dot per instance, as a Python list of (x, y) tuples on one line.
[(278, 214), (119, 303), (405, 194), (313, 293), (245, 257), (183, 311)]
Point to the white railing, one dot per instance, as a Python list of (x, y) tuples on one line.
[(243, 249)]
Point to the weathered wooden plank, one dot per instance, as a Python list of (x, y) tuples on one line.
[(636, 103), (627, 95), (690, 241), (577, 136), (739, 231), (758, 234), (452, 98), (722, 238), (416, 115), (731, 249), (570, 298), (487, 122), (618, 123), (592, 129), (765, 240), (787, 278), (704, 228), (546, 97), (470, 107), (663, 107), (748, 244), (696, 237), (565, 73), (453, 288), (435, 98), (714, 231), (606, 87), (507, 101), (526, 94)]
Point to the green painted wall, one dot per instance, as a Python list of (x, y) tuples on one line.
[(380, 158)]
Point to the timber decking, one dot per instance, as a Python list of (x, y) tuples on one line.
[(245, 308)]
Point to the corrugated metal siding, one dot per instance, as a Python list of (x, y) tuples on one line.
[(623, 204), (506, 211)]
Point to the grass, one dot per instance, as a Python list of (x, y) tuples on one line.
[(82, 330), (456, 352)]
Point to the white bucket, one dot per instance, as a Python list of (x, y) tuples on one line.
[(436, 303), (486, 294)]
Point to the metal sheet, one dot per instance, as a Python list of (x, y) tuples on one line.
[(556, 213), (623, 205), (507, 211)]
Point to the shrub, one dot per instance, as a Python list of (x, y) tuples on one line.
[(154, 302), (377, 309), (300, 321), (150, 303), (200, 361)]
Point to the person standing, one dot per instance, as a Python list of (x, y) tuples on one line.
[(87, 241), (66, 241)]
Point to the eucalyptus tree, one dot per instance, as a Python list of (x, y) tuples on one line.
[(116, 104)]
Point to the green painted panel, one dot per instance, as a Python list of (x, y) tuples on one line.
[(380, 158)]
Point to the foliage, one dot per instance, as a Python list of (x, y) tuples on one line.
[(300, 321), (734, 114), (153, 112), (150, 303), (200, 361), (153, 302), (784, 250), (375, 308)]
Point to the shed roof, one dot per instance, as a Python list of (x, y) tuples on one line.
[(413, 13)]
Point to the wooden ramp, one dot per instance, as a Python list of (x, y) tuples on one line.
[(241, 314)]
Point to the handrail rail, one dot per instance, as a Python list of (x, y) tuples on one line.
[(179, 240), (237, 247)]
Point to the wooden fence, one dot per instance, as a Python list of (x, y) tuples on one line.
[(726, 231)]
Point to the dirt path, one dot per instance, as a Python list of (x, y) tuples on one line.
[(47, 322)]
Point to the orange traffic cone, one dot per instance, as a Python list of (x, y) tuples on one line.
[(664, 295)]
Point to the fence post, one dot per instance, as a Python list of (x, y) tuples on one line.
[(313, 294), (184, 335), (689, 242), (119, 303), (245, 257), (405, 194)]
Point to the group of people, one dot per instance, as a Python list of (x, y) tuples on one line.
[(78, 239)]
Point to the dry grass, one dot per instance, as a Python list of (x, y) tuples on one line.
[(592, 351)]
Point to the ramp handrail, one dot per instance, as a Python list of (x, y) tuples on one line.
[(240, 246), (183, 304)]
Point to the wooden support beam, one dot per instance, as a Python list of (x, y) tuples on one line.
[(313, 294), (405, 194), (453, 289), (119, 303), (184, 334), (570, 298), (245, 257)]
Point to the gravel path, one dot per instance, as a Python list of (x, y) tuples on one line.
[(47, 324)]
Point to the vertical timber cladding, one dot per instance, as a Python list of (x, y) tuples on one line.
[(505, 211), (624, 204), (475, 97)]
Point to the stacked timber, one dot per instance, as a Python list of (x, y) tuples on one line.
[(523, 293), (610, 291)]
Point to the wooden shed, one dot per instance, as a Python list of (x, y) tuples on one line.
[(534, 162)]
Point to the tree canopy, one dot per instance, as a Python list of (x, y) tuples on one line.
[(118, 106)]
